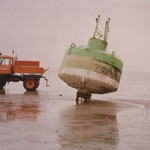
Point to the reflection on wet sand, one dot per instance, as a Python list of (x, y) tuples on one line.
[(14, 107), (12, 111), (91, 125)]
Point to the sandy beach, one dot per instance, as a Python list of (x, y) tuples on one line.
[(50, 119)]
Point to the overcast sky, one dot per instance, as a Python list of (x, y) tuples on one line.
[(44, 29)]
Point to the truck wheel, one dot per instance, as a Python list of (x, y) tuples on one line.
[(2, 82), (37, 83), (30, 84)]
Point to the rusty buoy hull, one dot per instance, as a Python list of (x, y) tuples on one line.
[(88, 74)]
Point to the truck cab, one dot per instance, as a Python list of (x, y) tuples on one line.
[(5, 64)]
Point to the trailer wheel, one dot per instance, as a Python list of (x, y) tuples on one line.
[(30, 84), (2, 82)]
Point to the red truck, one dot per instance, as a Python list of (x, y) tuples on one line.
[(14, 70)]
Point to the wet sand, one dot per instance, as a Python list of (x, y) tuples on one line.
[(39, 120)]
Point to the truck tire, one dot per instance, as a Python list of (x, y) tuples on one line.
[(37, 83), (2, 82), (30, 84)]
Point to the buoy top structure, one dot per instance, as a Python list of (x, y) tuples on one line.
[(91, 69)]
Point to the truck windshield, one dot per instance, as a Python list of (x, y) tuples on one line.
[(4, 61)]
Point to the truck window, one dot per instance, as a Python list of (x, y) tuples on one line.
[(4, 61), (1, 61)]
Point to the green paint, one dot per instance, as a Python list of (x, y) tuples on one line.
[(96, 54), (97, 44)]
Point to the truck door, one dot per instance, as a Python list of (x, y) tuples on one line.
[(5, 65)]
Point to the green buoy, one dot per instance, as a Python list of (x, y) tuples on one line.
[(91, 69)]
